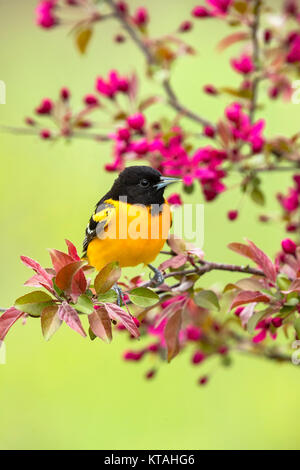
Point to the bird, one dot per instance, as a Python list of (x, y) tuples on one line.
[(131, 222)]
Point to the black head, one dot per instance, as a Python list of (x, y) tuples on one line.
[(141, 185)]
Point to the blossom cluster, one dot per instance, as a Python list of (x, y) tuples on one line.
[(181, 315)]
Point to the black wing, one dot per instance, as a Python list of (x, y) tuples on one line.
[(97, 223)]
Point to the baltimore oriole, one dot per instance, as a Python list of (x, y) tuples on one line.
[(131, 222)]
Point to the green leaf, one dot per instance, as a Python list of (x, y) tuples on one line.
[(83, 38), (297, 326), (109, 296), (254, 320), (84, 304), (257, 196), (56, 288), (100, 324), (207, 299), (283, 282), (143, 297), (92, 335), (50, 321), (107, 277), (34, 303)]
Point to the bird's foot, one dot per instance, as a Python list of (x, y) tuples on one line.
[(119, 293), (157, 279)]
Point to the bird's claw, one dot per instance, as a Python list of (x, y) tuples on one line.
[(157, 279), (119, 293)]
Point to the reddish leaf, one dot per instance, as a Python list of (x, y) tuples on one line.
[(45, 279), (50, 321), (232, 39), (263, 261), (37, 281), (67, 314), (175, 262), (100, 324), (241, 249), (59, 259), (171, 334), (256, 255), (117, 313), (169, 311), (72, 250), (7, 320), (65, 277), (247, 297)]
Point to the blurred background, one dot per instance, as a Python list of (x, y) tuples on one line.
[(74, 394)]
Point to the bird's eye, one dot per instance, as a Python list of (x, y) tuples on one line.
[(144, 183)]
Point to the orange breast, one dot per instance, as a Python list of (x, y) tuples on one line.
[(133, 236)]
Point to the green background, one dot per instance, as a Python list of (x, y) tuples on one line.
[(75, 394)]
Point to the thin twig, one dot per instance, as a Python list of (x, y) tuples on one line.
[(75, 134), (131, 31), (256, 57), (151, 59), (173, 101)]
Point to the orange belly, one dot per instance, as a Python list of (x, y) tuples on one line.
[(133, 236)]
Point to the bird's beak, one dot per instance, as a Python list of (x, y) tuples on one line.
[(165, 181)]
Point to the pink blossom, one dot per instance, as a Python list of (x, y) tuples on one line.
[(91, 100), (185, 26), (112, 85), (221, 7), (242, 129), (140, 147), (123, 133), (122, 7), (45, 16), (200, 12), (243, 65), (198, 357), (154, 347), (209, 131), (293, 55), (210, 90), (289, 246), (136, 121), (141, 17), (277, 322), (45, 134), (203, 380), (150, 374), (175, 200), (65, 94), (290, 202), (223, 350), (45, 107), (133, 355), (264, 327), (232, 215), (193, 333)]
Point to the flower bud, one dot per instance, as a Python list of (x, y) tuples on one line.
[(200, 12), (136, 121), (288, 246), (232, 215), (198, 357)]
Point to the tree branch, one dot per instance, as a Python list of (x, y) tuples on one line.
[(206, 267), (151, 59)]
